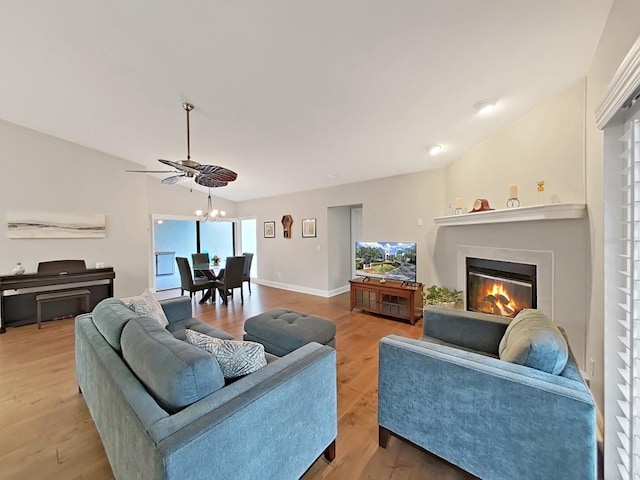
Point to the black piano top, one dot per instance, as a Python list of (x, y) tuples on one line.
[(28, 280), (59, 266)]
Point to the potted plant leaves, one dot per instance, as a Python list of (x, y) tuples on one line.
[(441, 297)]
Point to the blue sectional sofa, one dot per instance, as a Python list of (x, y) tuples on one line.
[(175, 418), (451, 394)]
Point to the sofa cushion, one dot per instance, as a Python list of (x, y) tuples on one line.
[(110, 316), (179, 328), (146, 304), (176, 373), (532, 339), (236, 358)]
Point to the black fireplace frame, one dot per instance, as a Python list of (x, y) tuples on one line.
[(521, 272)]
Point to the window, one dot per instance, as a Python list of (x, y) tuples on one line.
[(622, 297), (217, 238), (176, 237)]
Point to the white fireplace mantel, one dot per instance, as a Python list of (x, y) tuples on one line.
[(553, 211)]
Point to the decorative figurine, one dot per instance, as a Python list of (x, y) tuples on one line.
[(481, 205), (541, 192)]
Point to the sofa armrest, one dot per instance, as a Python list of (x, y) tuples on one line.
[(491, 418), (475, 331), (177, 309), (273, 423)]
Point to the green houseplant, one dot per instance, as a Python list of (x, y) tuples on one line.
[(441, 296)]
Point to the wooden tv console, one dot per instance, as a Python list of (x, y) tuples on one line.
[(389, 298)]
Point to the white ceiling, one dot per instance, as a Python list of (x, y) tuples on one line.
[(288, 93)]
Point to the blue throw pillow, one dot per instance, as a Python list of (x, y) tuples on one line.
[(533, 340)]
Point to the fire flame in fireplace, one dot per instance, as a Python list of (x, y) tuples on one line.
[(501, 304)]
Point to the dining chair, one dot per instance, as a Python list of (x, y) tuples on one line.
[(246, 274), (199, 259), (231, 278), (187, 282)]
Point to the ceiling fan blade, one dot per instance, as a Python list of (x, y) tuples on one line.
[(180, 167), (151, 171), (219, 173), (175, 179), (206, 175), (208, 181)]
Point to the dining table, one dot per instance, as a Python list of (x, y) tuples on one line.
[(213, 272)]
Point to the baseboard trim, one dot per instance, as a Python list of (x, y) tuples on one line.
[(299, 289)]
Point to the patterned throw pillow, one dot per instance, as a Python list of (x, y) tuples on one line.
[(147, 305), (236, 358)]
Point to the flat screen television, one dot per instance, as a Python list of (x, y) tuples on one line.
[(388, 260)]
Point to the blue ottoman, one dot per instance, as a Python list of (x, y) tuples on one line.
[(282, 331)]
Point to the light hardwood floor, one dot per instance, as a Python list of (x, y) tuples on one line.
[(46, 431)]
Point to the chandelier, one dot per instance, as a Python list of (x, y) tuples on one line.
[(210, 214)]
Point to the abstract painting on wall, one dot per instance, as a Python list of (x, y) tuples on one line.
[(55, 225)]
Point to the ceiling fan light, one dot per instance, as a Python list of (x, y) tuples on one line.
[(210, 214)]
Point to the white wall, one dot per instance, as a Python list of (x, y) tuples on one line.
[(41, 173), (339, 240), (620, 32), (391, 208), (545, 144)]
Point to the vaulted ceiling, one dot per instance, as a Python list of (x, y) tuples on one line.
[(292, 95)]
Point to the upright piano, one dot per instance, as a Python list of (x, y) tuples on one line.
[(18, 292)]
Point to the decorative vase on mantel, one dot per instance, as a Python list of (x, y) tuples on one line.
[(18, 269)]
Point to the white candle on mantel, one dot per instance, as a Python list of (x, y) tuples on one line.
[(458, 202), (513, 191)]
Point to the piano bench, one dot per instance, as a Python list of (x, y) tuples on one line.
[(83, 294)]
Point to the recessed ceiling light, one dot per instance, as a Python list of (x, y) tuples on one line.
[(484, 106), (332, 176), (434, 149)]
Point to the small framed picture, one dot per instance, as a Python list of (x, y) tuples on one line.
[(269, 229), (308, 227)]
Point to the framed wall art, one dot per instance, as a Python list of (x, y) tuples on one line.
[(270, 229), (308, 228), (55, 225)]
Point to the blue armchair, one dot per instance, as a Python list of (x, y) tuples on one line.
[(451, 394)]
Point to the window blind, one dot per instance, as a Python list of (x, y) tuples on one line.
[(622, 307)]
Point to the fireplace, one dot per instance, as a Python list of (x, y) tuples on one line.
[(500, 287)]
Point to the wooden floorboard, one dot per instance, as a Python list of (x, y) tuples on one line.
[(46, 431)]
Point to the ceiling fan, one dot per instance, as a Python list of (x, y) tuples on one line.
[(205, 175)]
